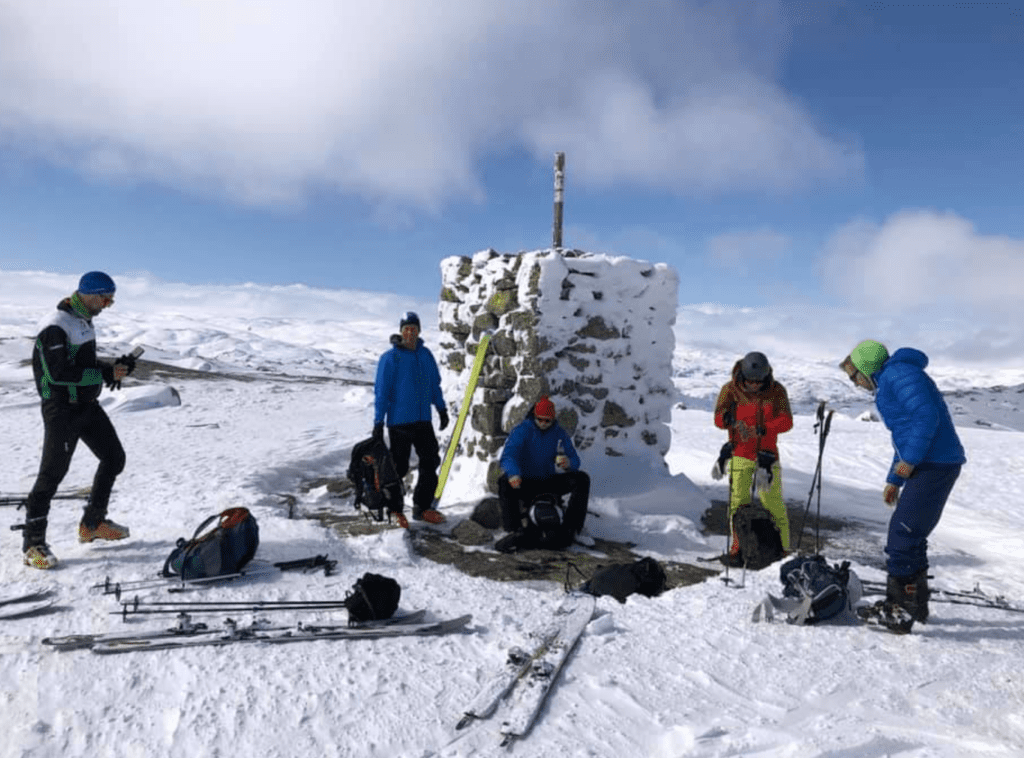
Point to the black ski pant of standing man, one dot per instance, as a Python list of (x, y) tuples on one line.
[(515, 502), (64, 425), (418, 435)]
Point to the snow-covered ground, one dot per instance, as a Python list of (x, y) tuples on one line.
[(683, 674)]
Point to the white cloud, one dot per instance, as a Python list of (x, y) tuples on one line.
[(262, 100), (928, 261), (753, 252)]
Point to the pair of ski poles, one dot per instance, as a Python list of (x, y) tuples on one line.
[(821, 426)]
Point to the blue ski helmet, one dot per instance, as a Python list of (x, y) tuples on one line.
[(409, 317), (96, 283)]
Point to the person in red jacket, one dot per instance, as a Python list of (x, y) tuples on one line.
[(754, 409)]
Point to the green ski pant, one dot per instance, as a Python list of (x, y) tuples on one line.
[(742, 476)]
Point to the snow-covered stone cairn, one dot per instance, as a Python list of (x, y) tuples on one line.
[(594, 332)]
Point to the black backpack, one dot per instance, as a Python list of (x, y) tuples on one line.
[(225, 549), (824, 591), (759, 539), (545, 528), (375, 478), (645, 576), (373, 597), (546, 522)]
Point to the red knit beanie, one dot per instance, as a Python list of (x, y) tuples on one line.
[(544, 408)]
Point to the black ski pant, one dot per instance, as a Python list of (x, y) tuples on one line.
[(418, 435), (64, 425), (515, 502)]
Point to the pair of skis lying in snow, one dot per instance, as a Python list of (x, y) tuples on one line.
[(26, 603), (189, 634), (528, 675)]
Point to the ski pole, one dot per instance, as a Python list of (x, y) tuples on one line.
[(20, 500), (729, 534), (821, 426), (131, 609), (821, 451)]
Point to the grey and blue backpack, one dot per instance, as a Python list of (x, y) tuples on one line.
[(819, 591)]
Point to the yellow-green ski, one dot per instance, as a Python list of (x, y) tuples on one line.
[(474, 375)]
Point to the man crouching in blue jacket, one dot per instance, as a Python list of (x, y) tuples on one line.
[(927, 461), (539, 459)]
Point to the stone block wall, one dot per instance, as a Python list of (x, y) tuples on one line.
[(593, 332)]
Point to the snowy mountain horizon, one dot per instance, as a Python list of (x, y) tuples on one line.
[(247, 327)]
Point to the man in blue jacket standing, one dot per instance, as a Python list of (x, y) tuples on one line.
[(926, 463), (407, 384), (540, 459)]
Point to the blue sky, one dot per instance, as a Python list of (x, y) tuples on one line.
[(840, 154)]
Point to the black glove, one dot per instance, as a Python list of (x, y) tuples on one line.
[(761, 431), (127, 360), (108, 377), (442, 414), (378, 432), (729, 418)]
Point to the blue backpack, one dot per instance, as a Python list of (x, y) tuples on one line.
[(225, 549), (821, 591)]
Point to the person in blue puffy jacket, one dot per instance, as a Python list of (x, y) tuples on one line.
[(926, 463), (408, 383), (540, 459)]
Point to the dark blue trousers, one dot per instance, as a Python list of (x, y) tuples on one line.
[(917, 513)]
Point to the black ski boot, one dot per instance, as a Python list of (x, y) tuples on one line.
[(911, 593), (893, 613), (921, 595)]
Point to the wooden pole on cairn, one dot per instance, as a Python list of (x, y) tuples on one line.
[(556, 235)]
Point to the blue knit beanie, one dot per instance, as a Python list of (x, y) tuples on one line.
[(96, 283)]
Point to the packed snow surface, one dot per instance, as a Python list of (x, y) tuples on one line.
[(284, 391)]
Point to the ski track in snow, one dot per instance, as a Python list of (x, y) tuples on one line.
[(684, 674)]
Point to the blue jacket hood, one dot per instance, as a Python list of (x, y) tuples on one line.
[(910, 355)]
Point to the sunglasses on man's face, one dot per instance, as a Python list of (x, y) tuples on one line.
[(543, 421), (855, 374)]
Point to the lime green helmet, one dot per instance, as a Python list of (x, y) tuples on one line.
[(869, 356)]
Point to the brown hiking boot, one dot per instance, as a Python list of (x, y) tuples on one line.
[(40, 557), (105, 530), (429, 515)]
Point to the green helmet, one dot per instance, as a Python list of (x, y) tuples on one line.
[(869, 356)]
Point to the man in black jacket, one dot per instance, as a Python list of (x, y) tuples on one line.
[(69, 379)]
